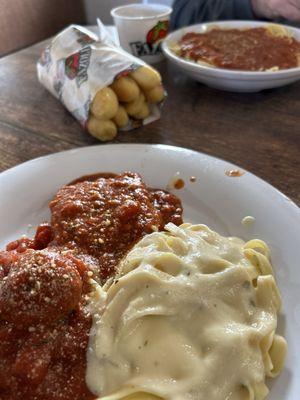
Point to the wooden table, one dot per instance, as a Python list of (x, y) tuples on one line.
[(260, 132)]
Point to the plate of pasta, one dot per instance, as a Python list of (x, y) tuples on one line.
[(117, 282), (231, 55)]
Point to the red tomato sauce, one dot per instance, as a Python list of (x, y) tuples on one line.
[(44, 282), (42, 238), (252, 49), (43, 326), (102, 219)]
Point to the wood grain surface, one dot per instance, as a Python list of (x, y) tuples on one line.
[(259, 132)]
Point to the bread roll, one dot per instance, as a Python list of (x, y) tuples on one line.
[(147, 78), (126, 89), (155, 95), (105, 104), (143, 113), (121, 119), (135, 106), (100, 129)]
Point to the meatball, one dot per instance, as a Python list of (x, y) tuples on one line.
[(104, 218), (39, 286)]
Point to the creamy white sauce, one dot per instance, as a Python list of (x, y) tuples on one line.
[(183, 321)]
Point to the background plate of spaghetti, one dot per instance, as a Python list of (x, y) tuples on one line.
[(231, 202), (229, 77)]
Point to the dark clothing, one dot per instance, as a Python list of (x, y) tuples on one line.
[(189, 12)]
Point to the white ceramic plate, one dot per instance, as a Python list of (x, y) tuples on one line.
[(214, 199), (235, 81)]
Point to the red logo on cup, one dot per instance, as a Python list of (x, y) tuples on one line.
[(153, 41), (158, 32)]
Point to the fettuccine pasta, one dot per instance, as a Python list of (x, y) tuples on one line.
[(192, 315)]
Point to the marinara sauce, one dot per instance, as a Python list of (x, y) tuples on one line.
[(101, 219), (44, 326), (254, 49), (44, 282)]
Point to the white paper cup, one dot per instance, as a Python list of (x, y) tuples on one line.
[(141, 28)]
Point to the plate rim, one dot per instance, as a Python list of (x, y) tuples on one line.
[(289, 202)]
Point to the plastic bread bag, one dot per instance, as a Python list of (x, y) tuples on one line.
[(105, 88)]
